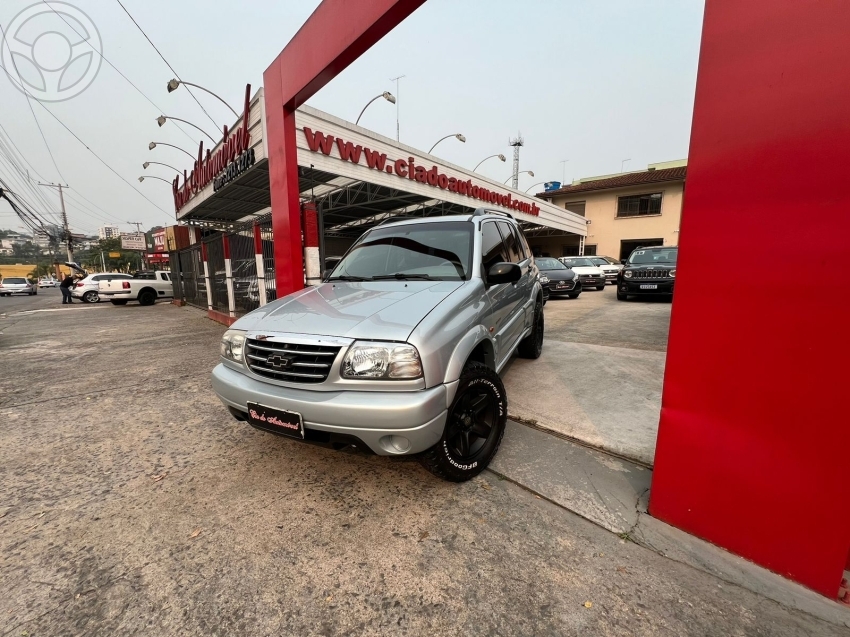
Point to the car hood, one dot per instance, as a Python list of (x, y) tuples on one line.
[(585, 269), (379, 310), (559, 275), (652, 266)]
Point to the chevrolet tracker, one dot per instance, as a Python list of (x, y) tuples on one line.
[(398, 351)]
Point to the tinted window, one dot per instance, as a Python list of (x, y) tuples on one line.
[(579, 262), (98, 278), (492, 249), (14, 281), (548, 263), (667, 256), (511, 242), (144, 275), (428, 250)]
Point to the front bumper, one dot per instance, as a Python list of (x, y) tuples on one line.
[(383, 421), (633, 287), (571, 288)]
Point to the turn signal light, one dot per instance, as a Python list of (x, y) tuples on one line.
[(125, 285)]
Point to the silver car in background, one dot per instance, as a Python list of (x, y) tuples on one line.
[(398, 352), (16, 285), (609, 266)]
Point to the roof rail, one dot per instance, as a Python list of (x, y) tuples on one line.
[(397, 218), (489, 211)]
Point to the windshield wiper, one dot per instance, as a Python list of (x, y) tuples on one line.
[(400, 276), (346, 277)]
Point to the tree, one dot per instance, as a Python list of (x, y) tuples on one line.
[(40, 270), (25, 250)]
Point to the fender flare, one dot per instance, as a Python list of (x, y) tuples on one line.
[(463, 349)]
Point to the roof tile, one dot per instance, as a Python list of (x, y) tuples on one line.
[(621, 181)]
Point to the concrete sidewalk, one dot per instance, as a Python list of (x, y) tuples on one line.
[(614, 493)]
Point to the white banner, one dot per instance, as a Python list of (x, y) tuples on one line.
[(134, 241)]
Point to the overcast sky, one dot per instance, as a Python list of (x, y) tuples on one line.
[(592, 82)]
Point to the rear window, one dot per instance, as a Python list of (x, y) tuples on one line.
[(14, 280)]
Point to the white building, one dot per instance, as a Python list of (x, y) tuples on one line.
[(109, 232)]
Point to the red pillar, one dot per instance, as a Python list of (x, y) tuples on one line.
[(754, 441), (336, 34)]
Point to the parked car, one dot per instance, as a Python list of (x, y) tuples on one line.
[(144, 286), (557, 279), (87, 288), (648, 271), (48, 282), (398, 352), (17, 285), (590, 274), (609, 266)]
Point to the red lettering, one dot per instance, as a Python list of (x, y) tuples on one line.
[(348, 151), (443, 181), (433, 177), (412, 168), (400, 167), (421, 176), (452, 184), (535, 209), (374, 159), (475, 191), (462, 187), (318, 141)]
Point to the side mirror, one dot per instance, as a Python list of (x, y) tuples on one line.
[(503, 273), (623, 261)]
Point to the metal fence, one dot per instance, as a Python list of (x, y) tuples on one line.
[(189, 282)]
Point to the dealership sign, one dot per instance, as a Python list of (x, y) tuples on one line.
[(409, 169), (207, 167), (134, 241)]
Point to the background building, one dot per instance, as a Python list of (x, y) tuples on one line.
[(623, 211), (109, 232)]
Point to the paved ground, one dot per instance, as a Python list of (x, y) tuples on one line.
[(131, 503), (600, 376)]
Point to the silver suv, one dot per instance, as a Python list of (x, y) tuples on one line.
[(398, 352)]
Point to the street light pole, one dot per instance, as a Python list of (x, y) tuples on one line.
[(159, 163), (153, 145), (153, 177), (521, 172), (164, 118), (499, 155), (174, 84), (386, 95), (537, 184), (398, 98), (458, 136)]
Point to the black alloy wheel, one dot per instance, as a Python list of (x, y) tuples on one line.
[(147, 297), (475, 426)]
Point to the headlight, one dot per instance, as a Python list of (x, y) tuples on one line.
[(627, 274), (544, 278), (232, 345), (672, 273), (398, 361)]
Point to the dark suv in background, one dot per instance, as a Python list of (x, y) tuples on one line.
[(648, 271)]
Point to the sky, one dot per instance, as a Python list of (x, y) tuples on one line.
[(594, 83)]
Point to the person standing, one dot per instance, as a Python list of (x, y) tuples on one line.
[(65, 287)]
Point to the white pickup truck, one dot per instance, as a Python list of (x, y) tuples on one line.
[(145, 287)]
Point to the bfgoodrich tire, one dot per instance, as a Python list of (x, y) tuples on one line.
[(474, 429), (532, 345)]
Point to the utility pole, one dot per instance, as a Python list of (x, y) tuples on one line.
[(564, 172), (517, 142), (397, 100), (135, 223), (66, 229)]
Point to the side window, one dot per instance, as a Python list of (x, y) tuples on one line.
[(97, 278), (524, 252), (492, 249), (511, 242)]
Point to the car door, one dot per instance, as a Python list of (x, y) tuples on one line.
[(520, 291), (493, 251)]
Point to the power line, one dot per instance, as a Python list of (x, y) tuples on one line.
[(44, 139), (129, 81), (166, 62), (8, 149), (111, 169)]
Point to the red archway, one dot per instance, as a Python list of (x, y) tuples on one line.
[(753, 435)]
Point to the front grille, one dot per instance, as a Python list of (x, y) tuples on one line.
[(649, 274), (291, 362)]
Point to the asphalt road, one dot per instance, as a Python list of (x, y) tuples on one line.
[(131, 503)]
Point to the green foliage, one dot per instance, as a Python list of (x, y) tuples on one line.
[(92, 259)]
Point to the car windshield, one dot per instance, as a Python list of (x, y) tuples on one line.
[(642, 257), (548, 263), (599, 261), (579, 262), (440, 251), (14, 281)]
